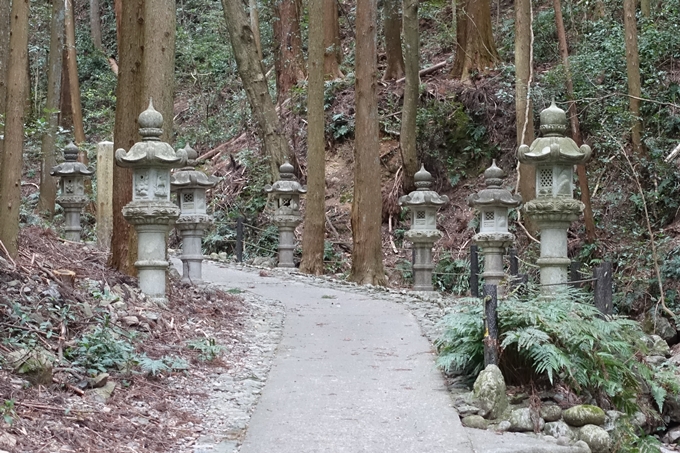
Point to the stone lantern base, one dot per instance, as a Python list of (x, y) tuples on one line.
[(72, 207), (553, 217), (286, 225), (423, 240), (191, 228), (493, 247), (152, 221)]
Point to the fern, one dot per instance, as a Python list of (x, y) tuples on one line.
[(151, 366)]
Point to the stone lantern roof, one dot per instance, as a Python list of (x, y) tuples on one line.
[(151, 151), (287, 184), (423, 195), (553, 147), (494, 195), (190, 178), (71, 166)]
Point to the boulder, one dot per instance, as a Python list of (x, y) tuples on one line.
[(475, 421), (658, 325), (584, 414), (551, 412), (672, 436), (597, 438), (35, 365), (559, 429), (521, 421), (489, 391)]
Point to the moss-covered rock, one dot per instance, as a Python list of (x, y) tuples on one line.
[(597, 438), (489, 391), (35, 365), (475, 421), (584, 414)]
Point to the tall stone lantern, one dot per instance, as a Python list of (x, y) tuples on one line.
[(554, 208), (286, 193), (151, 212), (423, 204), (72, 190), (493, 204), (190, 186)]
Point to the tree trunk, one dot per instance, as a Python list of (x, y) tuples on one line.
[(633, 72), (288, 60), (78, 129), (392, 30), (476, 49), (315, 209), (599, 9), (523, 104), (4, 62), (48, 184), (575, 129), (646, 8), (367, 266), (118, 11), (95, 25), (65, 110), (12, 159), (331, 40), (129, 104), (255, 25), (407, 138), (255, 83)]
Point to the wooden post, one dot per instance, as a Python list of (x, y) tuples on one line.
[(491, 333), (575, 273), (514, 262), (104, 194), (603, 287), (239, 239), (474, 271)]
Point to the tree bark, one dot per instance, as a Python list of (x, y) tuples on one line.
[(575, 129), (255, 83), (72, 63), (476, 49), (255, 25), (314, 229), (367, 266), (392, 31), (331, 40), (95, 25), (129, 104), (4, 62), (633, 72), (17, 91), (48, 184), (523, 104), (288, 60), (646, 8), (407, 138)]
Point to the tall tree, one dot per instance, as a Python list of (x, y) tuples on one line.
[(331, 40), (255, 83), (288, 60), (367, 266), (12, 159), (392, 31), (48, 184), (315, 209), (95, 25), (575, 129), (646, 7), (523, 104), (255, 25), (476, 49), (633, 72), (128, 107), (407, 138), (4, 63), (72, 64)]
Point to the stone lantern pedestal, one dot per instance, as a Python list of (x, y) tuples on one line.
[(287, 216), (423, 204), (72, 196), (190, 186), (554, 208), (494, 238), (151, 212)]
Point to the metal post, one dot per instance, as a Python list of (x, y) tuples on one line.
[(491, 325), (474, 271), (239, 239), (603, 287), (575, 273)]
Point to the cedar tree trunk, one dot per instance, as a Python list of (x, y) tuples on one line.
[(331, 40), (633, 72), (288, 60), (407, 138), (392, 29), (476, 49)]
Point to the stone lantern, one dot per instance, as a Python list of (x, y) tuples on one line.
[(554, 207), (493, 204), (190, 186), (286, 193), (151, 212), (423, 204), (72, 189)]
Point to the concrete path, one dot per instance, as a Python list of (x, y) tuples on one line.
[(354, 374)]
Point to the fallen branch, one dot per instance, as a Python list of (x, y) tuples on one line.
[(75, 390), (426, 71)]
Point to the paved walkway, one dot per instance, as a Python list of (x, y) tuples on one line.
[(354, 374)]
